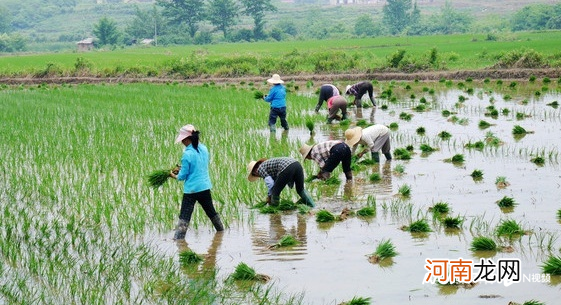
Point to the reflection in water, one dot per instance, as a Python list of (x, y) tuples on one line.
[(264, 239), (208, 268)]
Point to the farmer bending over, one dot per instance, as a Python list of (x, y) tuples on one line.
[(360, 89), (328, 155), (374, 138)]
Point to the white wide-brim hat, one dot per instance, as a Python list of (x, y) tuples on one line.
[(275, 79)]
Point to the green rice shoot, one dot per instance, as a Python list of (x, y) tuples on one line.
[(324, 216), (385, 249), (188, 257), (419, 226), (509, 228), (358, 301), (366, 211), (158, 178), (552, 265), (440, 208), (482, 243), (453, 222), (286, 241), (477, 174), (258, 95), (506, 202)]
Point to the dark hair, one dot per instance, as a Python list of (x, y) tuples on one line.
[(194, 137)]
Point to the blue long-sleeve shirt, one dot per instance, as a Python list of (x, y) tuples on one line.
[(194, 169), (276, 96)]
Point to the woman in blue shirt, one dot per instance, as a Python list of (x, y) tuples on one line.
[(197, 185), (277, 98)]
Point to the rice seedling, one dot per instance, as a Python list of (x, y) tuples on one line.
[(479, 145), (484, 124), (324, 216), (446, 113), (440, 208), (519, 130), (410, 148), (285, 241), (401, 154), (425, 148), (553, 104), (286, 205), (552, 265), (362, 123), (457, 158), (375, 177), (453, 222), (559, 214), (505, 111), (506, 202), (358, 301), (405, 190), (393, 126), (310, 125), (332, 181), (399, 169), (421, 130), (501, 182), (405, 116), (384, 250), (419, 226), (477, 174), (420, 108), (509, 228), (245, 273), (423, 100), (304, 209), (492, 140), (445, 135), (188, 257), (258, 95), (368, 211), (384, 107), (268, 209), (512, 85), (159, 177), (482, 243)]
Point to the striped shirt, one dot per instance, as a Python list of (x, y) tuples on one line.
[(320, 152)]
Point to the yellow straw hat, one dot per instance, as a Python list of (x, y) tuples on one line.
[(352, 136), (305, 150), (250, 167)]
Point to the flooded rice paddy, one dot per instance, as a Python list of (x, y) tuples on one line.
[(76, 209), (330, 264)]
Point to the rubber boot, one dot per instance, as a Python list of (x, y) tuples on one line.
[(376, 157), (217, 223), (272, 128), (307, 198), (275, 200), (181, 229), (388, 156), (349, 175)]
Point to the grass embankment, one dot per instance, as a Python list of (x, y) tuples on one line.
[(368, 57)]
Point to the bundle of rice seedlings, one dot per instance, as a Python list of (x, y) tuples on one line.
[(258, 95), (366, 211), (310, 125), (245, 273), (427, 148), (552, 265), (188, 257), (384, 250), (559, 213), (357, 301), (286, 205), (393, 126), (304, 209), (420, 225), (362, 123), (479, 145), (457, 158), (484, 124), (405, 190), (440, 208), (519, 130), (268, 209), (375, 177), (509, 228), (538, 160), (324, 216), (285, 241), (482, 243), (453, 222), (506, 202), (421, 130), (332, 181), (553, 104), (159, 177), (501, 182), (401, 154), (445, 135), (477, 174)]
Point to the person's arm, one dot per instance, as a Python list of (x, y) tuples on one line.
[(184, 171), (271, 95)]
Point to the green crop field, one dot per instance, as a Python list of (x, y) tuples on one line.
[(453, 52)]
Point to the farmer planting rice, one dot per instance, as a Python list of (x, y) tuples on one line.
[(328, 155), (325, 93), (374, 138), (278, 173), (359, 90), (334, 104), (197, 185), (277, 98)]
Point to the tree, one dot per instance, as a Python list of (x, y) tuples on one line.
[(106, 32), (364, 26), (451, 21), (187, 12), (4, 20), (146, 24), (256, 9), (222, 14), (397, 15)]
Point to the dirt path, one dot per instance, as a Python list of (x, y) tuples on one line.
[(503, 74)]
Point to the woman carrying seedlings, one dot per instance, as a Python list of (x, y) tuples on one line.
[(197, 185), (325, 92), (360, 89), (328, 155), (334, 104), (374, 138), (278, 173), (277, 98)]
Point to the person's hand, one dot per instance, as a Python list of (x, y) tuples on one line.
[(268, 200), (359, 155), (176, 169)]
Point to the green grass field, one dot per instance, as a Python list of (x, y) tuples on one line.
[(455, 52)]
